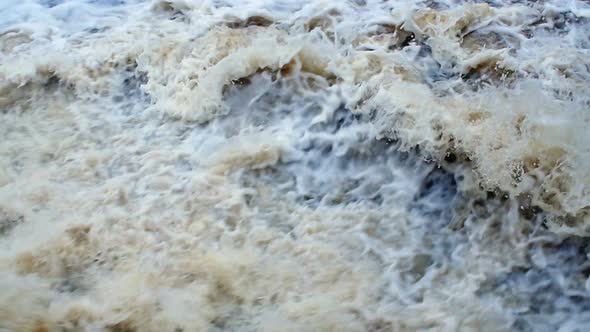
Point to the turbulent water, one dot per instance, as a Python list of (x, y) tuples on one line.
[(284, 165)]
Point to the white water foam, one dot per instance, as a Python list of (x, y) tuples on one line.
[(294, 165)]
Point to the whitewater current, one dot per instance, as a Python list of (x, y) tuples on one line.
[(286, 165)]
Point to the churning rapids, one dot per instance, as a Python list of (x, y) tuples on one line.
[(285, 165)]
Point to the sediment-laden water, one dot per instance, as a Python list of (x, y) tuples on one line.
[(258, 165)]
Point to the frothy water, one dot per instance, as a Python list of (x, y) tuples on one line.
[(258, 165)]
